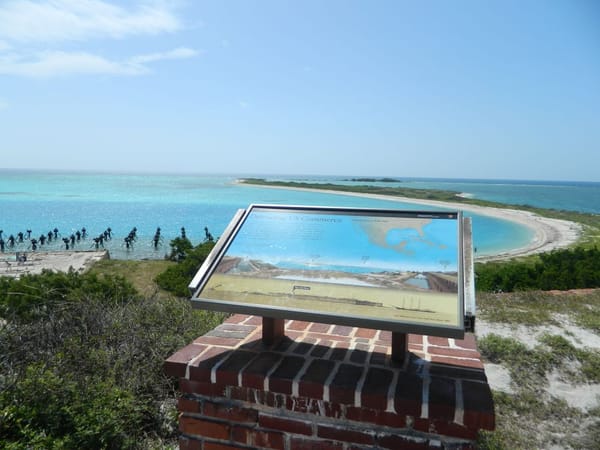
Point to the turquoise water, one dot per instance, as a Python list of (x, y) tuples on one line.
[(41, 201), (578, 196)]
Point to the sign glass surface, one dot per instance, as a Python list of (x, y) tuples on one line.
[(400, 268)]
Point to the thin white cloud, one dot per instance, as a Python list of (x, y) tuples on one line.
[(3, 104), (55, 63), (58, 63), (31, 33), (178, 53), (28, 21)]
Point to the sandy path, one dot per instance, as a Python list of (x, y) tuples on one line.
[(549, 234)]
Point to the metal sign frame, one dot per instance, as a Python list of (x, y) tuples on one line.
[(204, 293)]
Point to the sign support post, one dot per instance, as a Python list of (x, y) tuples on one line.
[(273, 330), (399, 347)]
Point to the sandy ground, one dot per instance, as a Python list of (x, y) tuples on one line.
[(584, 396), (57, 261), (549, 234)]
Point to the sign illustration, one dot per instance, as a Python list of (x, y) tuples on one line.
[(386, 269)]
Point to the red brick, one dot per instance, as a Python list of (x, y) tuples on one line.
[(203, 427), (298, 325), (375, 388), (365, 333), (344, 434), (415, 348), (236, 328), (359, 354), (436, 340), (396, 441), (468, 342), (415, 339), (302, 348), (342, 330), (320, 327), (201, 388), (258, 438), (343, 386), (281, 379), (188, 405), (286, 424), (294, 335), (474, 363), (253, 320), (452, 429), (240, 393), (454, 352), (229, 412), (254, 374), (340, 350), (320, 350), (379, 355), (200, 370), (227, 372), (186, 443), (283, 345), (313, 406), (175, 365), (219, 341), (442, 397), (478, 405), (464, 373), (385, 337), (374, 416), (298, 443), (312, 382), (409, 394), (236, 318), (217, 446)]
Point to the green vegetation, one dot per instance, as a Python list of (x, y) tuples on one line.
[(536, 308), (81, 356), (576, 268), (374, 180), (176, 278), (530, 416)]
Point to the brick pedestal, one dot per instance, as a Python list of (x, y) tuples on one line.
[(328, 387)]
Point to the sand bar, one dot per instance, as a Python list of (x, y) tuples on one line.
[(549, 234), (60, 261)]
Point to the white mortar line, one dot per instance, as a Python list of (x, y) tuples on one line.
[(296, 380), (459, 408), (359, 386), (425, 397), (213, 371), (391, 393), (329, 380)]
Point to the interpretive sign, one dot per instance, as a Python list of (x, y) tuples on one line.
[(385, 269)]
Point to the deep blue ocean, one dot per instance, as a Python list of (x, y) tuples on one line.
[(42, 201)]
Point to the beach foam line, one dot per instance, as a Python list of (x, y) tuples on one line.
[(549, 234)]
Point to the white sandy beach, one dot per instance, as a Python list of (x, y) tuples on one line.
[(80, 261), (549, 234)]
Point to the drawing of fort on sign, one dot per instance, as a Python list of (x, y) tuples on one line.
[(381, 266)]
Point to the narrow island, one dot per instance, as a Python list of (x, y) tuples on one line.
[(552, 229)]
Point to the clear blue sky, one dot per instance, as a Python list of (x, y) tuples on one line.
[(475, 89)]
